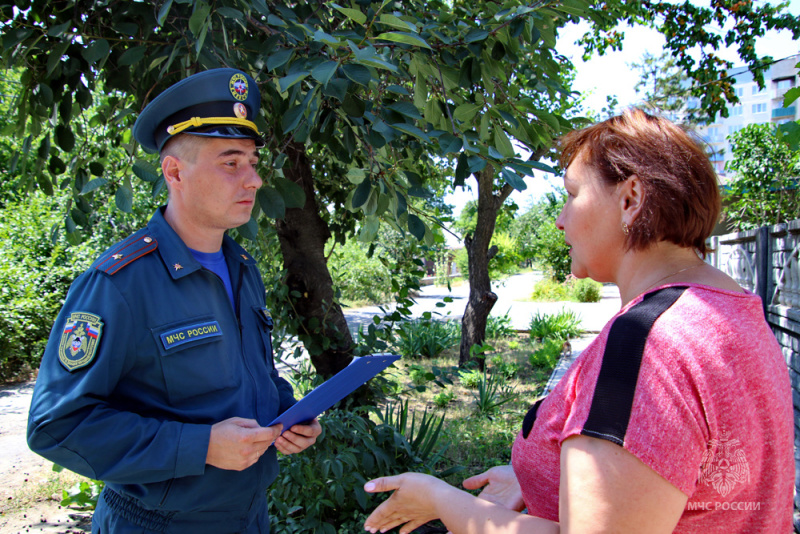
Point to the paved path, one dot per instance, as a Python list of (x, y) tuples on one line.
[(512, 295)]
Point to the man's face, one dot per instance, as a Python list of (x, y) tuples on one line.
[(218, 189)]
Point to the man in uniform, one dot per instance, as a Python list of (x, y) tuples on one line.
[(158, 377)]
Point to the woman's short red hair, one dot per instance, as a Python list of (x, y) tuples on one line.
[(682, 199)]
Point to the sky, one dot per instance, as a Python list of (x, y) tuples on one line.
[(610, 74)]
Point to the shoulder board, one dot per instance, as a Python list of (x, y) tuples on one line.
[(126, 252)]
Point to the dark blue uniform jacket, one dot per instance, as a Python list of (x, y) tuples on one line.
[(171, 358)]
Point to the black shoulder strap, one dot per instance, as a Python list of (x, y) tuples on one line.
[(612, 402)]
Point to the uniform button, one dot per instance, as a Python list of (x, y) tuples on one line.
[(148, 239)]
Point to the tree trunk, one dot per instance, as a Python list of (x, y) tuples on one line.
[(481, 298), (303, 234)]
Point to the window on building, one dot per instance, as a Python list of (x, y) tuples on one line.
[(761, 107), (739, 91), (736, 111), (756, 90), (782, 85)]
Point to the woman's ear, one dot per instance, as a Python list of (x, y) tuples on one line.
[(631, 198)]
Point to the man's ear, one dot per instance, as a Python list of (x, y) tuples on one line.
[(171, 168), (631, 198)]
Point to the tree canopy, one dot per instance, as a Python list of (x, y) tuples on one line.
[(363, 103)]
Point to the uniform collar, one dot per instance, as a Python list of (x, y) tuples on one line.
[(176, 255)]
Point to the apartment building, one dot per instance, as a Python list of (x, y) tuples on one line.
[(756, 105)]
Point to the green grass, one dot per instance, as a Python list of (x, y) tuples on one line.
[(480, 442)]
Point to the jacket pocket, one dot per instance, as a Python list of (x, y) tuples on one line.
[(194, 357)]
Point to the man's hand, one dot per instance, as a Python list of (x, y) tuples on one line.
[(298, 438), (501, 488), (238, 443)]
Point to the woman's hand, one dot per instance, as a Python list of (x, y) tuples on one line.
[(501, 487), (412, 504)]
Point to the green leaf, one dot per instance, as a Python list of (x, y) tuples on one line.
[(466, 112), (513, 179), (405, 108), (287, 82), (790, 96), (293, 194), (292, 118), (58, 30), (397, 89), (353, 14), (124, 199), (249, 230), (396, 22), (353, 105), (132, 55), (405, 38), (324, 71), (199, 18), (475, 35), (164, 12), (369, 229), (326, 38), (93, 184), (65, 139), (358, 73), (96, 168), (271, 202), (502, 143), (279, 58), (55, 56), (411, 130), (416, 226), (541, 166), (230, 13), (450, 143), (361, 194), (145, 171), (462, 170), (96, 51), (356, 176)]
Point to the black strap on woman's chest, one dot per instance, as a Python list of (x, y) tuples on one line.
[(612, 401)]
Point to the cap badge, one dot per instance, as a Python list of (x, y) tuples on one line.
[(240, 110), (238, 87)]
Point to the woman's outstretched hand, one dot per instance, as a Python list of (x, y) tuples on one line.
[(500, 486), (412, 504)]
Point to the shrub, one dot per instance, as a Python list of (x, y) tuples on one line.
[(562, 325), (507, 369), (548, 290), (322, 489), (470, 378), (426, 338), (547, 355), (492, 391), (584, 289), (358, 277), (443, 398), (499, 327)]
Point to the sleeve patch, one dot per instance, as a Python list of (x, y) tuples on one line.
[(79, 340)]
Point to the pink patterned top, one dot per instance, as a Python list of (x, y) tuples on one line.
[(711, 412)]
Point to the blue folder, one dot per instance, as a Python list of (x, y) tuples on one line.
[(335, 389)]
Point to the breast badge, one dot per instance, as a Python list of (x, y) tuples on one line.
[(79, 340)]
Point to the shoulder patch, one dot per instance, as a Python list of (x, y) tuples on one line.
[(79, 340), (126, 252)]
